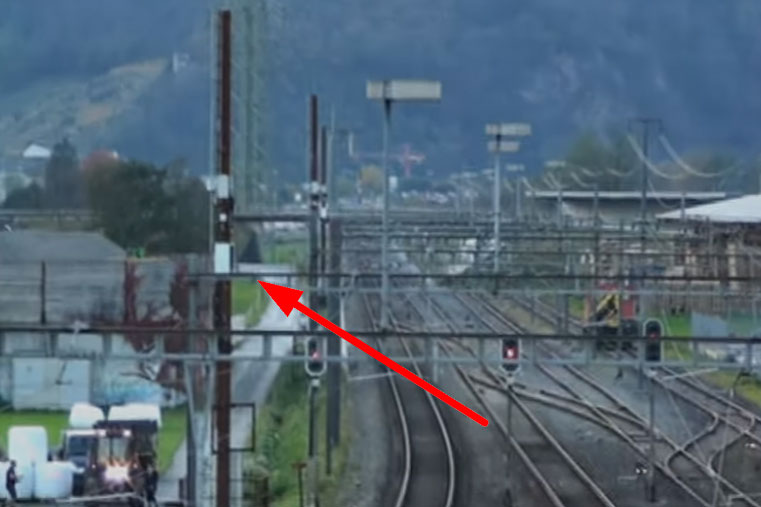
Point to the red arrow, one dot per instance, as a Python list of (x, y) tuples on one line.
[(288, 299)]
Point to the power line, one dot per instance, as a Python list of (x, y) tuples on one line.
[(686, 167)]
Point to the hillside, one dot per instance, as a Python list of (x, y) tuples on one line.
[(564, 66)]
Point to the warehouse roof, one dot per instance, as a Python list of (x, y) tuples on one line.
[(742, 210), (38, 246), (627, 195)]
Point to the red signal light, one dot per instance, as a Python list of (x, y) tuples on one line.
[(511, 353)]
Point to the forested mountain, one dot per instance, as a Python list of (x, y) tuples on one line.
[(564, 66)]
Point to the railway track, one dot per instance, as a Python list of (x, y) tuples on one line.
[(539, 459), (676, 461), (730, 422), (428, 476)]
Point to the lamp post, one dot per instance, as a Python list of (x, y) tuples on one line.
[(499, 132), (388, 92)]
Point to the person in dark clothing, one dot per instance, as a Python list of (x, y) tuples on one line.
[(151, 485), (11, 478)]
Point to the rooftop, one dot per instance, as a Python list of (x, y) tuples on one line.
[(38, 246), (741, 210), (628, 195)]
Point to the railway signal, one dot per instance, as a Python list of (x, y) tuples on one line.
[(511, 354), (314, 365), (653, 344)]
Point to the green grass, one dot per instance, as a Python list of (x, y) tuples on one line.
[(171, 435), (676, 325), (292, 252), (54, 423), (747, 387), (576, 307), (248, 298), (282, 426)]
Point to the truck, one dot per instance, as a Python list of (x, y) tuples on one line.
[(78, 441), (113, 455)]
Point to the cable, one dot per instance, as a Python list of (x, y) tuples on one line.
[(686, 167), (618, 174), (528, 185), (555, 182), (658, 199), (649, 164), (578, 181)]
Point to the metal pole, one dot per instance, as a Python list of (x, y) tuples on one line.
[(497, 196), (509, 426), (191, 495), (312, 494), (333, 412), (643, 202), (223, 287), (249, 179), (314, 200), (323, 203), (651, 449), (518, 196), (212, 129), (301, 486), (329, 157), (384, 241)]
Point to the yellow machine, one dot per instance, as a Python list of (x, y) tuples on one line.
[(605, 320)]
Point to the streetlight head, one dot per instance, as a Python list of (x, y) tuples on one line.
[(508, 129), (404, 89)]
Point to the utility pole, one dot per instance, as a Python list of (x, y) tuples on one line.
[(509, 380), (388, 92), (333, 413), (384, 239), (323, 205), (249, 149), (646, 124), (314, 205), (314, 200), (312, 500), (498, 132), (223, 257), (497, 201), (651, 448)]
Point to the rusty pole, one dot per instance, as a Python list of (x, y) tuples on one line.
[(222, 289), (323, 203)]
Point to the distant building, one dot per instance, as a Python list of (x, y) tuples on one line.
[(81, 277), (36, 151), (727, 233), (612, 206)]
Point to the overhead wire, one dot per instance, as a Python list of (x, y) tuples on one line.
[(659, 200), (575, 177), (688, 168), (648, 163)]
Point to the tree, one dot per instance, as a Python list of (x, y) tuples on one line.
[(29, 197), (130, 204), (63, 180), (141, 206), (371, 178)]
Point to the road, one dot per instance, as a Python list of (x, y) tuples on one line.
[(251, 383)]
